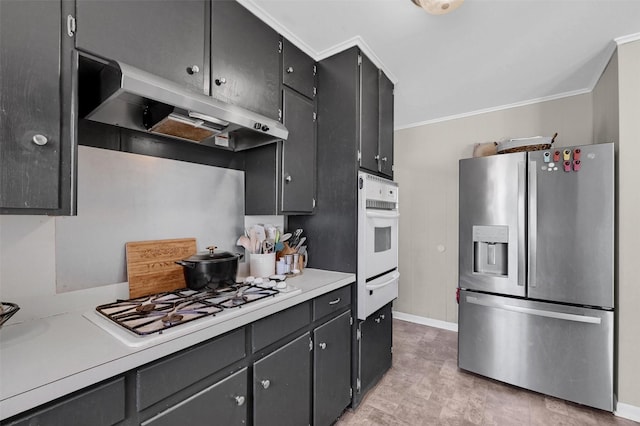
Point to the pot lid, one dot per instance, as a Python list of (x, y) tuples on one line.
[(211, 256)]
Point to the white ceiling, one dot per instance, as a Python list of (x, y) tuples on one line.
[(488, 54)]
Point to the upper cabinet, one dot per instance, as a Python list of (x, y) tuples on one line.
[(167, 38), (298, 70), (376, 119), (385, 132), (245, 59), (281, 178), (37, 127)]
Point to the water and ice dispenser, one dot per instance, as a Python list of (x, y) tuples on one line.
[(490, 250)]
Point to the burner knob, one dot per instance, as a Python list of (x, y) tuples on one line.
[(266, 384), (239, 400)]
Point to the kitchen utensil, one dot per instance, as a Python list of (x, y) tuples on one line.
[(210, 269), (151, 267), (261, 234), (296, 237), (245, 242), (300, 243), (7, 310), (285, 237)]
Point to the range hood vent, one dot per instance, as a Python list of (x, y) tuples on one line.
[(124, 96)]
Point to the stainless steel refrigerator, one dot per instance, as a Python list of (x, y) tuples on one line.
[(536, 271)]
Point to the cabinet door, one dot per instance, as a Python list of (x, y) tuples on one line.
[(245, 59), (298, 69), (369, 115), (375, 347), (298, 154), (30, 104), (386, 125), (332, 369), (282, 385), (167, 38), (223, 403)]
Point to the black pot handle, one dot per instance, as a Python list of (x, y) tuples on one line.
[(240, 255), (189, 265)]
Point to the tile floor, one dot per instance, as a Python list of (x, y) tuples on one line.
[(425, 387)]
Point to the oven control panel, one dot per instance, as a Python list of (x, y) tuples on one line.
[(379, 189)]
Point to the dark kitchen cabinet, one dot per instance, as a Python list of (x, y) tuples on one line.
[(332, 369), (298, 70), (245, 59), (375, 347), (281, 178), (385, 134), (223, 403), (376, 119), (282, 384), (168, 38), (101, 405), (37, 119), (369, 114)]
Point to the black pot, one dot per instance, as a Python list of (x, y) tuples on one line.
[(210, 269)]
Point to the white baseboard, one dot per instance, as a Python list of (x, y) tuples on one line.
[(628, 411), (451, 326)]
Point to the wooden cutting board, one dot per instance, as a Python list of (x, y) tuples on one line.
[(151, 268)]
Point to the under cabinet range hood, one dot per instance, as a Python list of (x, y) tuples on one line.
[(121, 95)]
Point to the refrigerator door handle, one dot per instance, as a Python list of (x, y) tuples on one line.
[(536, 312), (521, 222), (533, 223)]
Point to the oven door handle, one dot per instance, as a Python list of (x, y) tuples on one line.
[(394, 276), (384, 214)]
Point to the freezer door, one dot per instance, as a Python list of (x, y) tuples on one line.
[(492, 224), (571, 226), (558, 350)]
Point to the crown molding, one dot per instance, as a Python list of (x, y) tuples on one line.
[(358, 41), (627, 39), (494, 109)]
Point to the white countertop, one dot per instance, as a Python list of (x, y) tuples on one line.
[(41, 360)]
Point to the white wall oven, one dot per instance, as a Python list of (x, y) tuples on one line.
[(378, 218)]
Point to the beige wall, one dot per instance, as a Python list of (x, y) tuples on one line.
[(426, 167), (628, 230)]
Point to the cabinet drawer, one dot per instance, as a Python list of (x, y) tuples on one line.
[(164, 378), (100, 406), (331, 302), (275, 327)]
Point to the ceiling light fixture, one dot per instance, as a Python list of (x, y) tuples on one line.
[(438, 7)]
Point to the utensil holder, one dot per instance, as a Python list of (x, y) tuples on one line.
[(262, 265)]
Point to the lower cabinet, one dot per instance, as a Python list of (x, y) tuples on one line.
[(375, 347), (281, 385), (222, 403), (331, 369)]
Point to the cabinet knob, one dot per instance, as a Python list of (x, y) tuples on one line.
[(323, 345), (265, 383), (39, 139), (239, 400), (382, 316), (377, 158), (193, 69), (377, 320), (289, 70), (220, 81), (384, 158), (288, 178)]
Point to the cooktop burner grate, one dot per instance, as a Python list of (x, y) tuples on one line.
[(153, 314)]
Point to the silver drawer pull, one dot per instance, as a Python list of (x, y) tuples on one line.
[(239, 400), (333, 302), (39, 140)]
